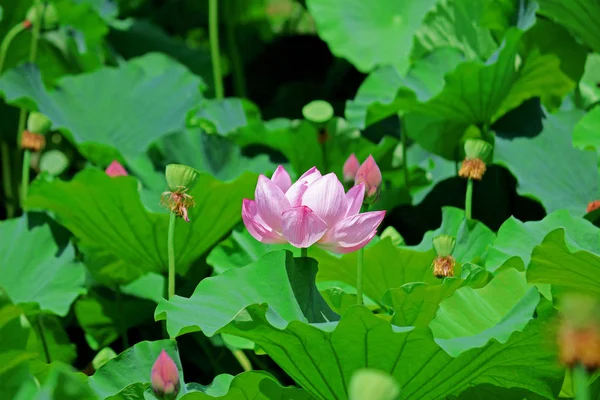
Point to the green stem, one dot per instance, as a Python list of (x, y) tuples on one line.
[(580, 383), (37, 27), (40, 321), (121, 316), (304, 252), (469, 198), (215, 54), (359, 277), (6, 166), (239, 79), (171, 253), (404, 155), (242, 359)]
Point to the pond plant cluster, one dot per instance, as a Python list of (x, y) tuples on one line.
[(285, 199)]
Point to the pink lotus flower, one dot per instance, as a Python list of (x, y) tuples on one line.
[(165, 377), (314, 210), (351, 168), (370, 175), (116, 169)]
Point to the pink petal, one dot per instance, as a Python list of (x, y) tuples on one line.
[(327, 199), (256, 225), (270, 202), (370, 175), (354, 198), (353, 232), (302, 227), (351, 167), (295, 192), (116, 169), (282, 179)]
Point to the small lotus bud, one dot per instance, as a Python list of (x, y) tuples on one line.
[(476, 148), (351, 167), (318, 111), (49, 15), (369, 174), (165, 377), (444, 245), (38, 123), (181, 176), (116, 169), (32, 141), (593, 205)]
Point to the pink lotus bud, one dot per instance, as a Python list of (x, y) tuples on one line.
[(314, 210), (165, 377), (351, 168), (116, 169), (370, 175)]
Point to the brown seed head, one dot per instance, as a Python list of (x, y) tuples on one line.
[(472, 169), (32, 141), (580, 346), (443, 266), (178, 202)]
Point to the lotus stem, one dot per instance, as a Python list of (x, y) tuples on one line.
[(40, 321), (215, 53), (242, 359), (469, 198), (580, 382), (359, 277), (239, 80), (404, 154), (171, 254), (304, 252)]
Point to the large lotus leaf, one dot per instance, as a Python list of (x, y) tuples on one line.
[(588, 86), (126, 108), (120, 238), (553, 262), (62, 383), (386, 91), (472, 237), (548, 168), (34, 270), (479, 94), (385, 267), (585, 134), (580, 17), (517, 239), (436, 170), (220, 116), (382, 31), (322, 357), (257, 385), (470, 318), (456, 24), (214, 154), (276, 278), (128, 375), (56, 339), (415, 304)]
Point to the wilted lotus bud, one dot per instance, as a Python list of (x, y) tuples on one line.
[(369, 174), (593, 205), (443, 264), (351, 167), (477, 151), (180, 179), (32, 141), (579, 333), (165, 377), (49, 15), (116, 169)]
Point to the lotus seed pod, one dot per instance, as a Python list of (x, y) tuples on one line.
[(50, 15), (181, 176), (38, 123), (318, 111), (444, 245), (477, 148)]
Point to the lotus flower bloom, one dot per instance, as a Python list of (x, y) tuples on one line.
[(116, 169), (313, 210), (370, 175), (165, 377), (351, 168)]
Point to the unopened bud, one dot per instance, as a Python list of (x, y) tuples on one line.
[(369, 174), (181, 176), (165, 377), (32, 141), (49, 15), (351, 167), (116, 169)]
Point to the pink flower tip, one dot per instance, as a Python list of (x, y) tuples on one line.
[(116, 169), (369, 174), (165, 377), (351, 167)]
